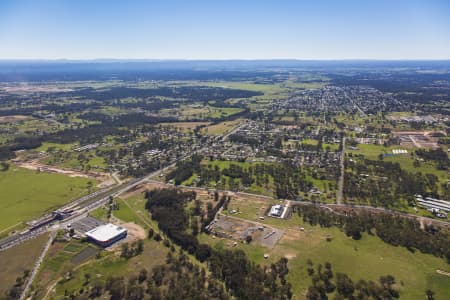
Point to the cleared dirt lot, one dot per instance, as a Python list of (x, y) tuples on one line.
[(104, 179), (135, 232), (238, 230), (419, 139)]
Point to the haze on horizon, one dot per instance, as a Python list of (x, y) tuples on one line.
[(174, 29)]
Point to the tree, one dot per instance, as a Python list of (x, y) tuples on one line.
[(344, 285), (203, 252), (157, 237), (125, 250), (313, 293), (195, 229), (4, 166), (248, 239), (142, 275), (87, 278), (89, 185), (139, 247), (151, 232)]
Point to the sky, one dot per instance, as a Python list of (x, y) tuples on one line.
[(228, 29)]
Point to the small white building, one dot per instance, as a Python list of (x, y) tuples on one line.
[(276, 211)]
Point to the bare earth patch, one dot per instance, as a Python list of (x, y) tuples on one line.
[(11, 119), (104, 178), (135, 232)]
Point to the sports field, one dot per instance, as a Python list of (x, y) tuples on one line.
[(26, 194)]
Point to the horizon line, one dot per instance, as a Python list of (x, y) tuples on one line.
[(100, 59)]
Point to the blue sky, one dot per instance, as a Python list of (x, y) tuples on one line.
[(231, 29)]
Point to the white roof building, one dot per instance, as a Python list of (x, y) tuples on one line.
[(107, 234), (276, 210)]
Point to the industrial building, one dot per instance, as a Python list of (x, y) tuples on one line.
[(276, 211), (106, 235), (438, 207)]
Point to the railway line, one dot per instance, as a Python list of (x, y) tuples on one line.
[(84, 205)]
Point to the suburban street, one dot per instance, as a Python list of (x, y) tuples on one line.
[(340, 192), (82, 207)]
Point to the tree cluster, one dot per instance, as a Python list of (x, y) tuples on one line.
[(324, 282), (242, 278)]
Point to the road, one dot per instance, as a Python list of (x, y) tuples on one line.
[(82, 206), (329, 206), (355, 105), (414, 141), (340, 192), (234, 130), (355, 207)]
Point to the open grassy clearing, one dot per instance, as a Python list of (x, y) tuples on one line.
[(15, 261), (46, 146), (76, 160), (14, 118), (200, 112), (223, 184), (269, 88), (112, 265), (406, 161), (368, 258), (30, 125), (222, 127), (325, 146), (131, 209), (186, 126), (375, 121), (28, 194), (257, 87)]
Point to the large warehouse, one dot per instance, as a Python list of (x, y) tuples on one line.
[(106, 235)]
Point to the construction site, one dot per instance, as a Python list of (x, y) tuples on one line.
[(419, 139), (241, 230)]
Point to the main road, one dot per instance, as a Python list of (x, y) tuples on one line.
[(340, 191)]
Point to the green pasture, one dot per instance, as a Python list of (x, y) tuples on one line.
[(28, 194)]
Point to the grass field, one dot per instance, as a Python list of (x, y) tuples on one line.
[(60, 258), (27, 194), (221, 128), (112, 265), (69, 160), (185, 126), (18, 259), (331, 147), (368, 258), (46, 145), (406, 161)]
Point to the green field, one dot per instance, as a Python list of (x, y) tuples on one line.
[(368, 259), (60, 258), (406, 161), (221, 128), (15, 261), (112, 265), (55, 146), (70, 160), (27, 194)]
